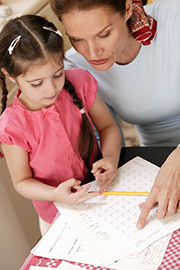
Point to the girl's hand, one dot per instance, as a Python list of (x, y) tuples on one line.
[(165, 191), (72, 192), (105, 170)]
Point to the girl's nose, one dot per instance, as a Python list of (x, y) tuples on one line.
[(52, 88)]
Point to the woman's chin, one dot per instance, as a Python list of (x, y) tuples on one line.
[(103, 67)]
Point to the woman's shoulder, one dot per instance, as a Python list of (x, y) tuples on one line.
[(167, 14), (164, 8)]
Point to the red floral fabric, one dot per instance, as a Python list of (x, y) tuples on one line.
[(143, 26)]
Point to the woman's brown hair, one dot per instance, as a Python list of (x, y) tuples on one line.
[(61, 7)]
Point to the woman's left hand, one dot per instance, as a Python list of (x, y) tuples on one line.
[(105, 170), (165, 191)]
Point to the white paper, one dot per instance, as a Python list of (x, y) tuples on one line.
[(69, 266), (62, 242), (98, 237), (148, 259), (91, 232), (120, 213)]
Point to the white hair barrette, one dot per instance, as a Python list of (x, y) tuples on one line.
[(13, 44), (82, 110), (58, 32)]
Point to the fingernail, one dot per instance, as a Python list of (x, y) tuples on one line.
[(139, 226)]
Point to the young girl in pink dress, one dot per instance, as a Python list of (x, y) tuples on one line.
[(47, 133)]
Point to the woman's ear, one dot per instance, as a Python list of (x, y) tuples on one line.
[(7, 75), (128, 11)]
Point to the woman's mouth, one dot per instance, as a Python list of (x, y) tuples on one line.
[(98, 62)]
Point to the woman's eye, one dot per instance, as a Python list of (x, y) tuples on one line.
[(75, 39), (37, 84), (104, 35)]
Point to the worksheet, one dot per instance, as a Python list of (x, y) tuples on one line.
[(102, 231), (54, 245), (149, 258), (64, 241), (120, 213)]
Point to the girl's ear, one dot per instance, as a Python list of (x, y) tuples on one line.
[(128, 11), (7, 75)]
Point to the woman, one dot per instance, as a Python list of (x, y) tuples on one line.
[(137, 66)]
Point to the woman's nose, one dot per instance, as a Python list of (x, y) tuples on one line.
[(93, 50)]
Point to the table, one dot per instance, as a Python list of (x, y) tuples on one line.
[(171, 260)]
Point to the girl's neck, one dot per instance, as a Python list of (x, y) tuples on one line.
[(30, 106)]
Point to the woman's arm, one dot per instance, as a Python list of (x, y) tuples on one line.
[(110, 140), (69, 191), (165, 190)]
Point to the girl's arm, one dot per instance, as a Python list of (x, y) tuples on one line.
[(69, 191), (110, 140)]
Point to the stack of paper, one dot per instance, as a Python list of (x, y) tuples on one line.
[(103, 231)]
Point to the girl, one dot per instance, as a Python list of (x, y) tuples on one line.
[(46, 133)]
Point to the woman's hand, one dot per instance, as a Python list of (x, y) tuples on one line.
[(105, 170), (165, 191), (72, 192)]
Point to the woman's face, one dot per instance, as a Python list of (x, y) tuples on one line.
[(100, 34)]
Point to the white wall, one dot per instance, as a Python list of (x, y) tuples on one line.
[(49, 15), (19, 229)]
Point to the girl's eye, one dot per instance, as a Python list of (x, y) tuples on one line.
[(37, 85), (59, 74)]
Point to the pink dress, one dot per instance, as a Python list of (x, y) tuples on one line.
[(50, 136)]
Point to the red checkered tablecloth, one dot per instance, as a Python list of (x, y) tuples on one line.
[(171, 260), (53, 263)]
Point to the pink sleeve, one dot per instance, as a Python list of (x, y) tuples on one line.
[(12, 130), (85, 85), (90, 88)]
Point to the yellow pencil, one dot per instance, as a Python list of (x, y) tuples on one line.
[(125, 193)]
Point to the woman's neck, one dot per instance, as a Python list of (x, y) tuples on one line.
[(130, 52)]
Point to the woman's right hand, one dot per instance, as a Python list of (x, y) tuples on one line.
[(72, 192), (165, 191)]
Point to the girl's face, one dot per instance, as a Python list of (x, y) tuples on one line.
[(100, 34), (41, 84)]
